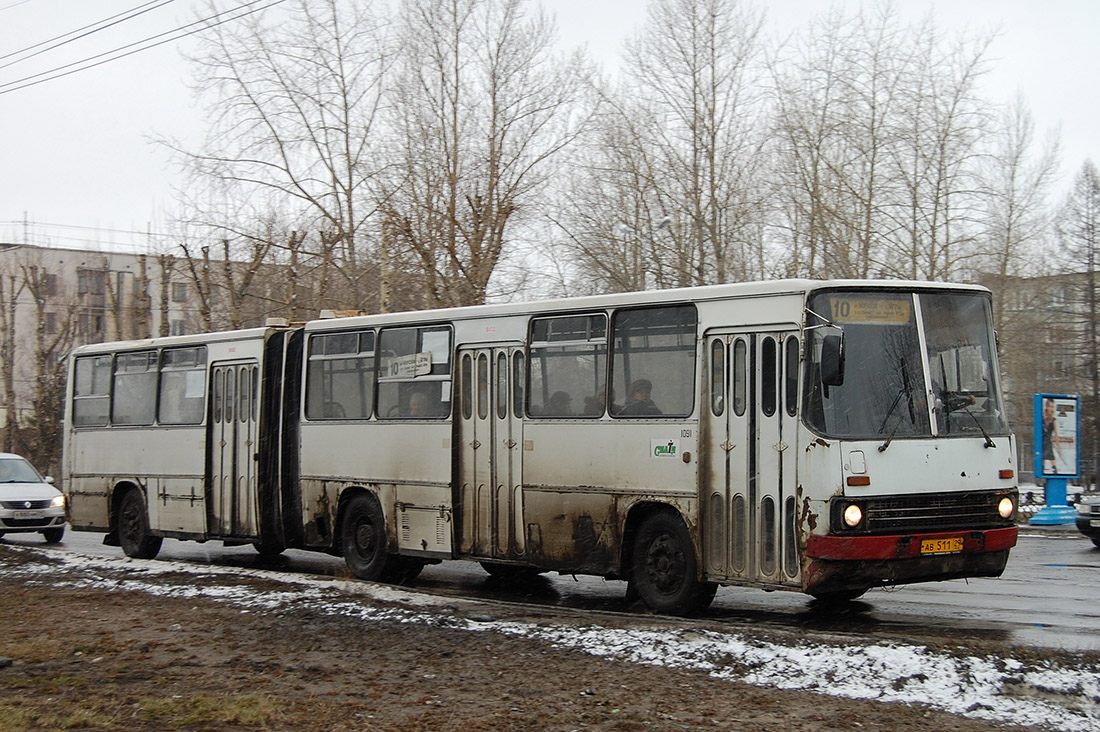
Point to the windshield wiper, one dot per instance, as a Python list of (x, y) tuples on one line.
[(905, 391), (988, 440)]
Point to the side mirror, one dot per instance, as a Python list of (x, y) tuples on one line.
[(832, 360)]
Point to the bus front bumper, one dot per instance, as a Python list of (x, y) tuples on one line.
[(840, 563)]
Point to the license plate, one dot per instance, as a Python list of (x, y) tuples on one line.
[(941, 546), (1094, 523), (27, 514)]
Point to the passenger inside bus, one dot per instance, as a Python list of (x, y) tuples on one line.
[(594, 405), (419, 405), (638, 402), (560, 404)]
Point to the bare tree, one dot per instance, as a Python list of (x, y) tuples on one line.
[(698, 59), (879, 131), (482, 108), (1016, 222), (11, 286), (937, 157), (1078, 229), (295, 103)]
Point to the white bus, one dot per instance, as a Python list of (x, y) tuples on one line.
[(821, 436)]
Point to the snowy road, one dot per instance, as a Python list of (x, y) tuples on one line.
[(979, 677), (1049, 596)]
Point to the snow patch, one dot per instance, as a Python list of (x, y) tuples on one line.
[(999, 690)]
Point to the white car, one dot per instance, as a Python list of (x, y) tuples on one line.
[(28, 502)]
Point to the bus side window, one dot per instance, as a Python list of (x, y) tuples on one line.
[(790, 375), (654, 347), (517, 385), (740, 376), (91, 391), (182, 385), (768, 377), (467, 386), (717, 377), (135, 388), (340, 376), (502, 385), (414, 372), (568, 365)]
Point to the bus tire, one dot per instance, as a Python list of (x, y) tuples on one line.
[(664, 574), (133, 527), (402, 570), (511, 572), (363, 541), (54, 536), (838, 597), (268, 552)]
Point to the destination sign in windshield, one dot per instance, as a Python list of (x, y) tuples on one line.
[(847, 309)]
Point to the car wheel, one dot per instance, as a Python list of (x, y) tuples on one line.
[(1095, 542), (54, 536), (664, 573), (133, 527)]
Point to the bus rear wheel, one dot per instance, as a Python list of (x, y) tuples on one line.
[(133, 527), (363, 540), (664, 574)]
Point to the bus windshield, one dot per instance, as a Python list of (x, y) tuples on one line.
[(916, 365)]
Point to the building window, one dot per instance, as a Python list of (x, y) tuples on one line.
[(51, 323), (179, 292), (91, 325), (178, 327), (51, 286), (91, 281)]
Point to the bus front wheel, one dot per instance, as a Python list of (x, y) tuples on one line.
[(664, 574), (133, 527)]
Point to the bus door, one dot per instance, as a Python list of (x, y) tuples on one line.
[(491, 451), (750, 482), (231, 479)]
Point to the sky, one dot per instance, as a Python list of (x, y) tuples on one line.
[(1004, 690), (79, 166)]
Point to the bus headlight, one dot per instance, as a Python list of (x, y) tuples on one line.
[(853, 515), (1006, 508)]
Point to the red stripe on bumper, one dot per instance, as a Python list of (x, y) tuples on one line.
[(905, 546)]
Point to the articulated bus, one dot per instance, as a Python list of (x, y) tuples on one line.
[(826, 437)]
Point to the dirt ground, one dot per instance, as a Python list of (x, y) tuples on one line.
[(100, 659)]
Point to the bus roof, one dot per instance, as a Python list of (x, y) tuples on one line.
[(646, 297)]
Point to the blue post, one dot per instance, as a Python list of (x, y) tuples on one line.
[(1057, 510)]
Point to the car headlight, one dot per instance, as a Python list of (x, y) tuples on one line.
[(58, 502), (1006, 508), (1083, 509), (853, 514)]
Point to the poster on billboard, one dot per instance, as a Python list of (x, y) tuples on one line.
[(1057, 425)]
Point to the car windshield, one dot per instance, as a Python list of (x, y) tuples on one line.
[(18, 470), (915, 365)]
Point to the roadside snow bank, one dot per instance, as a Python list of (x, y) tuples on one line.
[(1000, 690)]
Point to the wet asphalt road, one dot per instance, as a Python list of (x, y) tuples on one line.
[(1048, 597)]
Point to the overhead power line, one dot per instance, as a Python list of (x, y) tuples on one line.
[(75, 35), (137, 46)]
